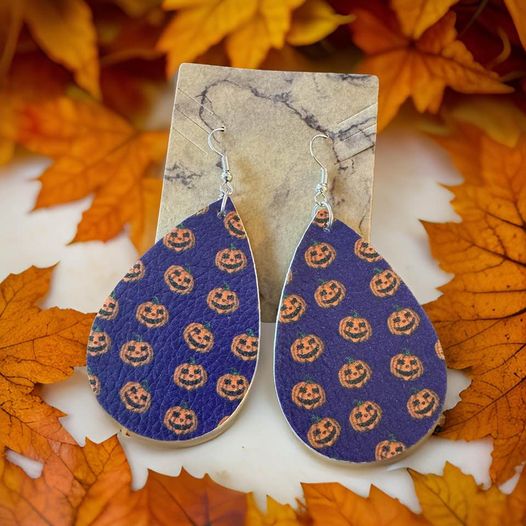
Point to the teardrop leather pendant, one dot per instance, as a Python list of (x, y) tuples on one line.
[(359, 371), (173, 350)]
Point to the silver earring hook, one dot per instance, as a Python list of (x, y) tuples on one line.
[(226, 188), (321, 198)]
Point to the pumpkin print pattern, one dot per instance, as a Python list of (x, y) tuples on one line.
[(358, 368), (173, 350)]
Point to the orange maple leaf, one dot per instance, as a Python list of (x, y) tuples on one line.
[(417, 60), (92, 485), (36, 347), (96, 151), (480, 315)]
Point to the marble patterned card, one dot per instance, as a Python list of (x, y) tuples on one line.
[(269, 118)]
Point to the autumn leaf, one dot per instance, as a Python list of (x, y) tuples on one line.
[(36, 347), (480, 314), (517, 9), (276, 514), (336, 505), (64, 30), (419, 68), (95, 151), (454, 498), (92, 485)]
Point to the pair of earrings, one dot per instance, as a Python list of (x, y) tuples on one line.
[(359, 372)]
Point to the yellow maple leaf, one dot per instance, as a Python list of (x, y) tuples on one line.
[(95, 151), (420, 69), (336, 505), (65, 31), (480, 315), (454, 499), (37, 347), (276, 515)]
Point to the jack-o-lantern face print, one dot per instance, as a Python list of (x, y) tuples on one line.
[(179, 239), (99, 342), (135, 273), (180, 420), (330, 294), (135, 397), (179, 280), (232, 386), (403, 322), (136, 353), (324, 433), (109, 309), (354, 374), (234, 225), (423, 403), (365, 416), (320, 255), (292, 308), (365, 251), (94, 383), (385, 283), (231, 260), (321, 218), (245, 346), (439, 351), (152, 314), (387, 449), (223, 301), (406, 366), (198, 337), (308, 395), (190, 376), (307, 348), (355, 329)]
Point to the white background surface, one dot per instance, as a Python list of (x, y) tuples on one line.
[(259, 452)]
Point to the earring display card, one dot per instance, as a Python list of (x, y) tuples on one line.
[(269, 118)]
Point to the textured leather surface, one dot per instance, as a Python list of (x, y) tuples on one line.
[(369, 390), (180, 386)]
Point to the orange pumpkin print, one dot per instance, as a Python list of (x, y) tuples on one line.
[(198, 337), (324, 433), (354, 374), (423, 404), (365, 416), (179, 239), (109, 309), (321, 218), (307, 349), (330, 294), (234, 225), (231, 260), (308, 395), (384, 283), (136, 353), (292, 308), (365, 251), (152, 314), (135, 397), (94, 383), (439, 351), (179, 280), (388, 449), (180, 420), (320, 255), (245, 346), (135, 273), (223, 300), (190, 376), (232, 386), (99, 342), (406, 366), (403, 322), (355, 329)]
